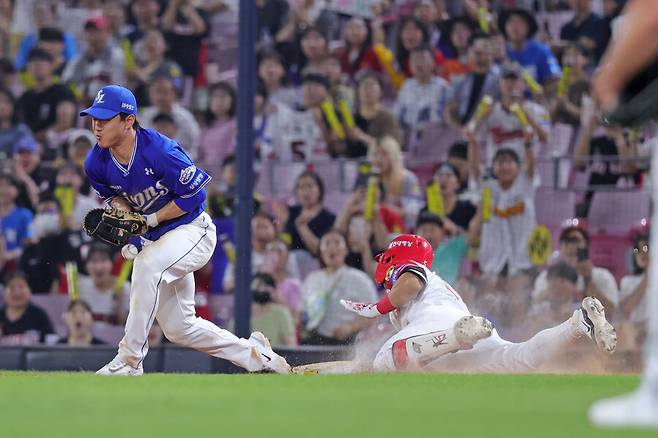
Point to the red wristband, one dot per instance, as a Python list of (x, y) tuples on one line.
[(385, 306)]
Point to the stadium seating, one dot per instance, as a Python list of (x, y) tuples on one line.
[(432, 144), (54, 306), (616, 212), (554, 172), (611, 252), (560, 140), (108, 333), (553, 208)]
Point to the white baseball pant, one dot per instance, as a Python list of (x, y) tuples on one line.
[(492, 354), (163, 288)]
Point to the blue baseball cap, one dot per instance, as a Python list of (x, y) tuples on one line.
[(110, 101), (26, 144)]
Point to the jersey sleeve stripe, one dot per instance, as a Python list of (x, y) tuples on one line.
[(417, 271), (189, 195)]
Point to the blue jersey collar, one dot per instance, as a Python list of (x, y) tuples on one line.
[(126, 170)]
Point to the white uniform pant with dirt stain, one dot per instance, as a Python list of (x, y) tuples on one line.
[(492, 354), (162, 288)]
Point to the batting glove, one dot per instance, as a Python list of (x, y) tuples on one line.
[(369, 310)]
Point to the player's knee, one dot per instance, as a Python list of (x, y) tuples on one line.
[(177, 332)]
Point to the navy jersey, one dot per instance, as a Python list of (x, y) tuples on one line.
[(159, 171)]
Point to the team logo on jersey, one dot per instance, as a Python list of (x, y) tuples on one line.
[(143, 200), (148, 171), (187, 174), (100, 97)]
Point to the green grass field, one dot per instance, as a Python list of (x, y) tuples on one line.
[(397, 405)]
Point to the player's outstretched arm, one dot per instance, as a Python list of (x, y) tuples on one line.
[(404, 290)]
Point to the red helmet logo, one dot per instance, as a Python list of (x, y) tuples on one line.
[(403, 249)]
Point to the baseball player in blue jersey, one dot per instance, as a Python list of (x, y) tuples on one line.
[(141, 170)]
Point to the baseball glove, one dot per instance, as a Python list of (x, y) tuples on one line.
[(114, 226)]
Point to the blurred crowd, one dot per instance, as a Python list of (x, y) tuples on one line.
[(466, 122)]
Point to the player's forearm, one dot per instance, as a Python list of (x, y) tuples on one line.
[(168, 212)]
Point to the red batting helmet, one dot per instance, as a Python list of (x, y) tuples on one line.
[(403, 249)]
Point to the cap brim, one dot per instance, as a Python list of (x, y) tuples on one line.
[(99, 113)]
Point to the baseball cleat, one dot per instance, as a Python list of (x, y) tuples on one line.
[(117, 367), (271, 360), (638, 409), (590, 320), (470, 329)]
